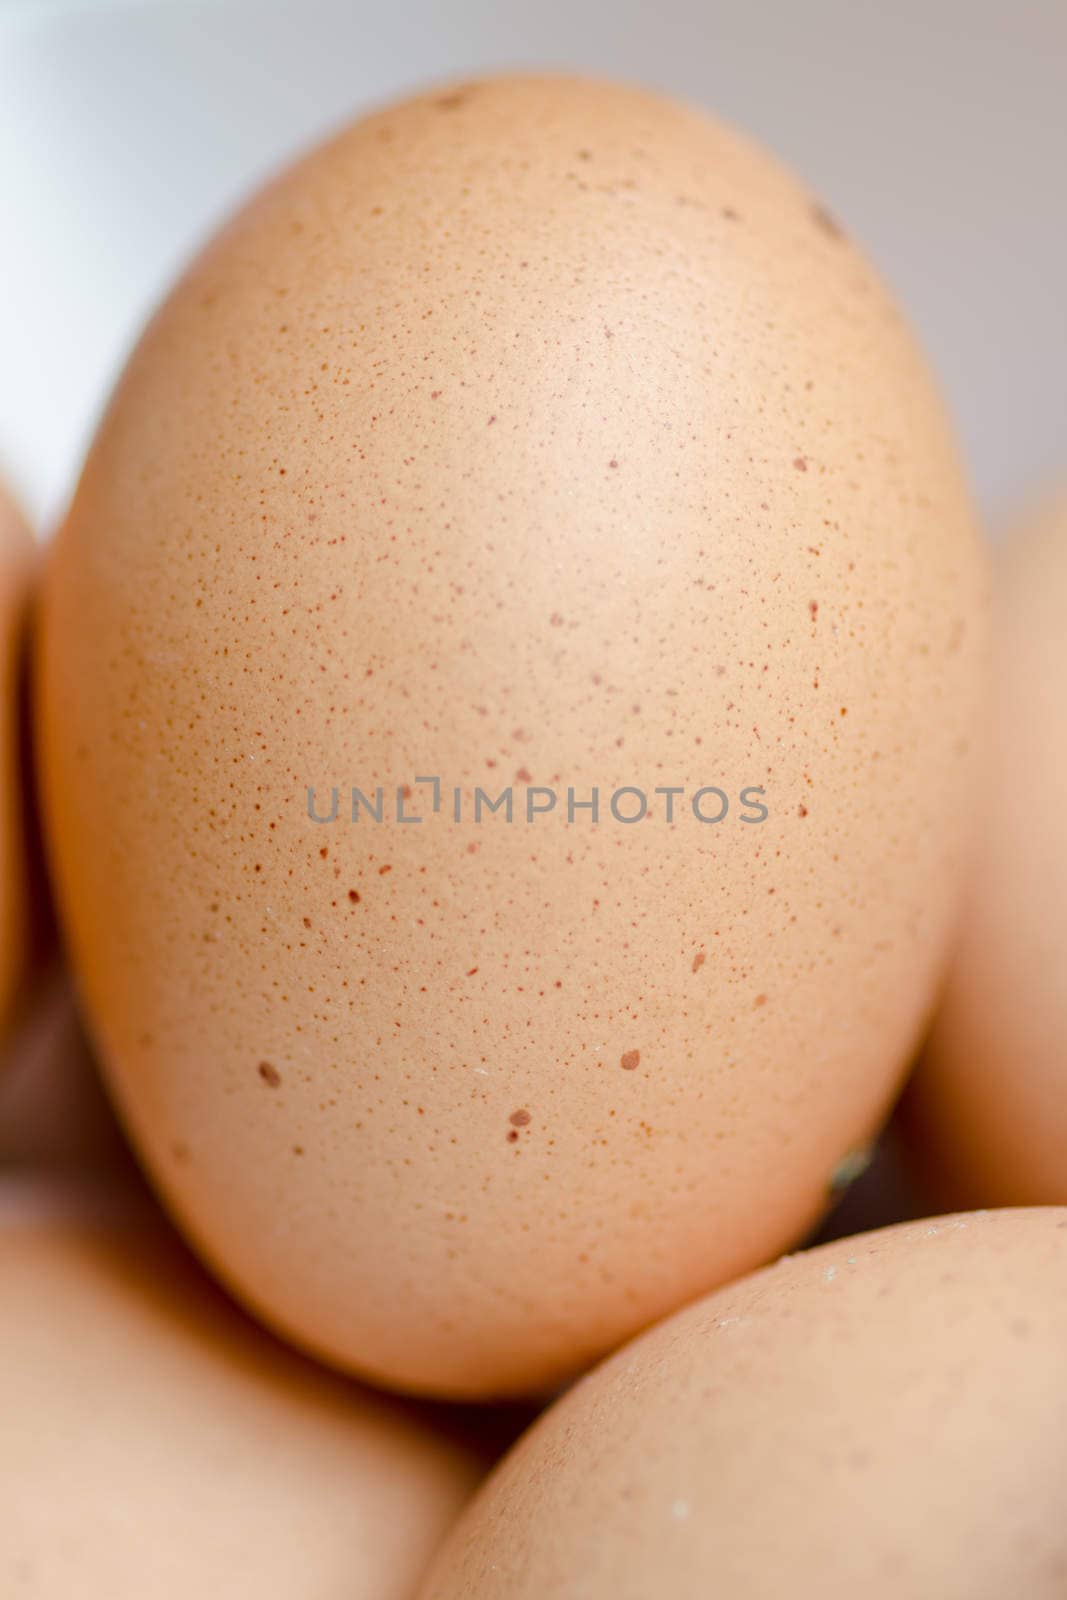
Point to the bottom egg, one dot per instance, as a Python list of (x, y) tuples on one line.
[(154, 1443), (883, 1416)]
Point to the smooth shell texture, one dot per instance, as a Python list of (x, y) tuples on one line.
[(16, 559), (990, 1101), (54, 1112), (154, 1443), (543, 433), (884, 1416)]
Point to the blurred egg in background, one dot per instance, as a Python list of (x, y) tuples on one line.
[(989, 1106), (155, 1442), (17, 562)]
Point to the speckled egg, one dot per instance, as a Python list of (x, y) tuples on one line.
[(16, 562), (156, 1443), (990, 1102), (884, 1416), (508, 677)]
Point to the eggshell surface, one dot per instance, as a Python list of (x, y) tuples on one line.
[(990, 1103), (54, 1113), (883, 1416), (16, 556), (542, 435), (154, 1443)]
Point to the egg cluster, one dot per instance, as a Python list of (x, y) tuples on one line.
[(547, 437)]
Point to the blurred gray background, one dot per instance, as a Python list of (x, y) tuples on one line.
[(937, 131)]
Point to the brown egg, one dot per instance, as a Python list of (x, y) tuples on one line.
[(154, 1443), (53, 1110), (990, 1103), (537, 437), (885, 1416), (16, 560)]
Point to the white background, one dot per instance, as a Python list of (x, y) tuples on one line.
[(937, 131)]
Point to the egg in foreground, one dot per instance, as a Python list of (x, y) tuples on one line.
[(534, 437), (883, 1416), (155, 1443), (989, 1104)]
